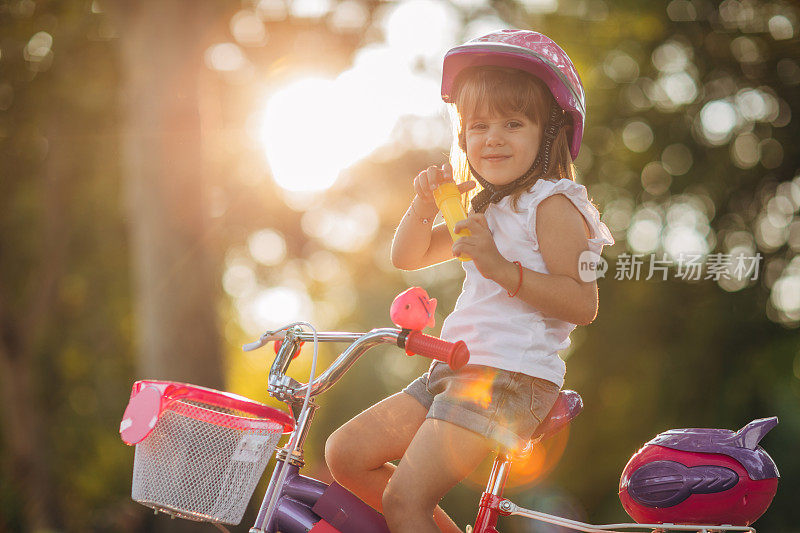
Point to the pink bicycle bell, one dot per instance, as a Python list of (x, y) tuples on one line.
[(701, 476), (530, 52), (413, 309)]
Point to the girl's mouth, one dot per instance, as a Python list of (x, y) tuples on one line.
[(496, 158)]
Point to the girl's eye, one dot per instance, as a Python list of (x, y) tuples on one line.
[(478, 126), (515, 124)]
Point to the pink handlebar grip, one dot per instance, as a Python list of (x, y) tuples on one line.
[(455, 354)]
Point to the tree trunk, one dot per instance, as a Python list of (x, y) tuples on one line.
[(25, 421), (175, 282)]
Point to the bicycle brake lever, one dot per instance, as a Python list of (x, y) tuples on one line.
[(250, 346), (264, 339)]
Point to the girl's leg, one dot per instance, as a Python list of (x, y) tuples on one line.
[(358, 453), (440, 455)]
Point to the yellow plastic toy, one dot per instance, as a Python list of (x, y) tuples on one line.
[(448, 200)]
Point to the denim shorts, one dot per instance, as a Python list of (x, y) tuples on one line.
[(497, 404)]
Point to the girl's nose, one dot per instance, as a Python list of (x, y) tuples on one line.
[(494, 138)]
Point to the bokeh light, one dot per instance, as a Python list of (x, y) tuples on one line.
[(272, 10), (677, 159), (349, 16), (637, 136), (620, 67), (424, 28), (741, 247), (655, 178), (248, 29), (540, 6), (324, 266), (771, 152), (785, 295), (757, 105), (239, 279), (780, 27), (38, 47), (644, 232), (274, 307), (267, 246), (681, 11), (483, 25), (309, 8), (688, 230), (679, 87), (744, 150), (225, 57), (346, 228), (617, 215), (38, 52), (718, 119), (746, 50)]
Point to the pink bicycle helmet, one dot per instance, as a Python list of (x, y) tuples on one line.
[(528, 51)]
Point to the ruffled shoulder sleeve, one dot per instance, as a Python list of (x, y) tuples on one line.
[(601, 235)]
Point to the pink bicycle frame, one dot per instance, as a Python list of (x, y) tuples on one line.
[(489, 506)]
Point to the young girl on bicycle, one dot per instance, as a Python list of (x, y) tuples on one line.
[(519, 122)]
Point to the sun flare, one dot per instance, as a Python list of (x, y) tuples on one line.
[(313, 128)]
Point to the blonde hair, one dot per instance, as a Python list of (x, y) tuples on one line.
[(504, 91)]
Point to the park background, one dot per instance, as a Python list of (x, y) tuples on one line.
[(178, 176)]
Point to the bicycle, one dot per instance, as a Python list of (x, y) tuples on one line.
[(232, 439)]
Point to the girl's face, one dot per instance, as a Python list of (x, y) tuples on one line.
[(501, 148)]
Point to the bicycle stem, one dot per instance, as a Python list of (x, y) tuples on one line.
[(302, 427), (289, 390)]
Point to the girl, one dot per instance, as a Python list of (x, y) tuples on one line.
[(519, 113)]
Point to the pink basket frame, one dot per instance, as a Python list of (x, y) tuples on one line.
[(174, 395)]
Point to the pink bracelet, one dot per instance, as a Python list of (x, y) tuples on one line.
[(519, 285)]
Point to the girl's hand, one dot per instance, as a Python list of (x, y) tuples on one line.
[(427, 181), (479, 246)]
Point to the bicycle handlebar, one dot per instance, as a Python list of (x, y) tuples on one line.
[(454, 354), (323, 336)]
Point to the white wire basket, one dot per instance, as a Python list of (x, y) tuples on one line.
[(203, 451)]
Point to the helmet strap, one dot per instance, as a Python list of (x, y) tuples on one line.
[(491, 194)]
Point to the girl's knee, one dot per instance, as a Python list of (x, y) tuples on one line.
[(336, 453), (399, 504), (343, 457), (392, 503)]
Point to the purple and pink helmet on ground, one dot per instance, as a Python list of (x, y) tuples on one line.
[(530, 52)]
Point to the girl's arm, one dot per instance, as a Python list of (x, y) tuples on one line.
[(416, 244), (562, 234)]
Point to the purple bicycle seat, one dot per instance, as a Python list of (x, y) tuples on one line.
[(741, 445), (568, 405)]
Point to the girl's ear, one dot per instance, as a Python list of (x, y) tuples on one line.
[(462, 141)]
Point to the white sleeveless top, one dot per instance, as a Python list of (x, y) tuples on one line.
[(507, 333)]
